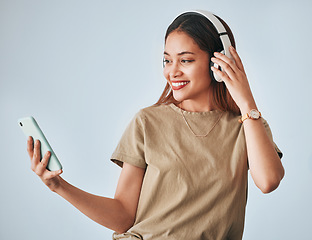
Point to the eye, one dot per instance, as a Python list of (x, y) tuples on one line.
[(187, 61), (165, 62)]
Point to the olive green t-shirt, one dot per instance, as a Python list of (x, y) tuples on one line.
[(194, 188)]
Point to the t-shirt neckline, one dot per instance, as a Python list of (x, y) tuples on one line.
[(178, 109)]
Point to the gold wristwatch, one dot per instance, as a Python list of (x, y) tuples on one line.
[(253, 114)]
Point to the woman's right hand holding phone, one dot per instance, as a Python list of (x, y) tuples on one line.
[(116, 213), (38, 165)]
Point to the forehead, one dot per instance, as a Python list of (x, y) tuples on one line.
[(178, 41)]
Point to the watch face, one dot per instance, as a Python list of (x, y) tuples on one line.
[(254, 114)]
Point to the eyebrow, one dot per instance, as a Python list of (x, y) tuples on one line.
[(181, 53)]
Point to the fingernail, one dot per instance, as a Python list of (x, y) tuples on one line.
[(217, 53)]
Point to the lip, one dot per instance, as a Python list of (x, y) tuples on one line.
[(178, 87)]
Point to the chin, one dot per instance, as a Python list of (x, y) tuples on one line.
[(178, 97)]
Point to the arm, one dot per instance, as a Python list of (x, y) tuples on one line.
[(264, 163), (117, 214)]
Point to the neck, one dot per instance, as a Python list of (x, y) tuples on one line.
[(197, 106)]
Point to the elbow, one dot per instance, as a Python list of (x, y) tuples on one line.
[(123, 220), (272, 183), (268, 188), (124, 225)]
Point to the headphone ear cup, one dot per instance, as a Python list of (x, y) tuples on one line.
[(214, 76)]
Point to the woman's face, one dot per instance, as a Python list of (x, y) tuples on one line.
[(186, 68)]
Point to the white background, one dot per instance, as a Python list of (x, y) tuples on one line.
[(84, 68)]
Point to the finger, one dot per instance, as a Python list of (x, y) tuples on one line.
[(226, 59), (40, 168), (37, 155), (51, 174), (226, 68), (237, 59), (30, 146), (45, 160), (221, 74)]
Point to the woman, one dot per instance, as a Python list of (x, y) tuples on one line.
[(185, 159)]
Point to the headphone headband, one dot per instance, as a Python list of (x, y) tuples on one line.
[(223, 34), (215, 21)]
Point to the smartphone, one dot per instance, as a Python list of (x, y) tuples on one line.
[(31, 128)]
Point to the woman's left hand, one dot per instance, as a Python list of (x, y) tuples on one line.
[(235, 79)]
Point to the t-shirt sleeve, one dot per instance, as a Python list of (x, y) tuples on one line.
[(130, 148), (268, 130)]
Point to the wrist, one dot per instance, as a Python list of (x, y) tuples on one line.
[(56, 184), (254, 114), (247, 107)]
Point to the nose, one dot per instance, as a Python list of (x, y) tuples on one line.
[(175, 71)]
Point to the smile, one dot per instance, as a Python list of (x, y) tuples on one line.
[(179, 85)]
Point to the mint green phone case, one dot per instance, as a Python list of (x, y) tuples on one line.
[(31, 128)]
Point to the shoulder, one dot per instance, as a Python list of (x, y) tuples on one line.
[(154, 115), (153, 111), (231, 119)]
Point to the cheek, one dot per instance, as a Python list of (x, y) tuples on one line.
[(166, 73), (204, 73)]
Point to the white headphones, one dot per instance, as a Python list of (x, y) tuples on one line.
[(226, 43)]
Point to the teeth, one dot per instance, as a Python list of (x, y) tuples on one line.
[(179, 84)]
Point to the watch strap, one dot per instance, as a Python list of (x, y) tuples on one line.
[(248, 116), (243, 118)]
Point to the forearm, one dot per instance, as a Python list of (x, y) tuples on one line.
[(105, 211), (117, 214), (264, 163)]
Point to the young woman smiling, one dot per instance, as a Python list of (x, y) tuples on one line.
[(185, 159)]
